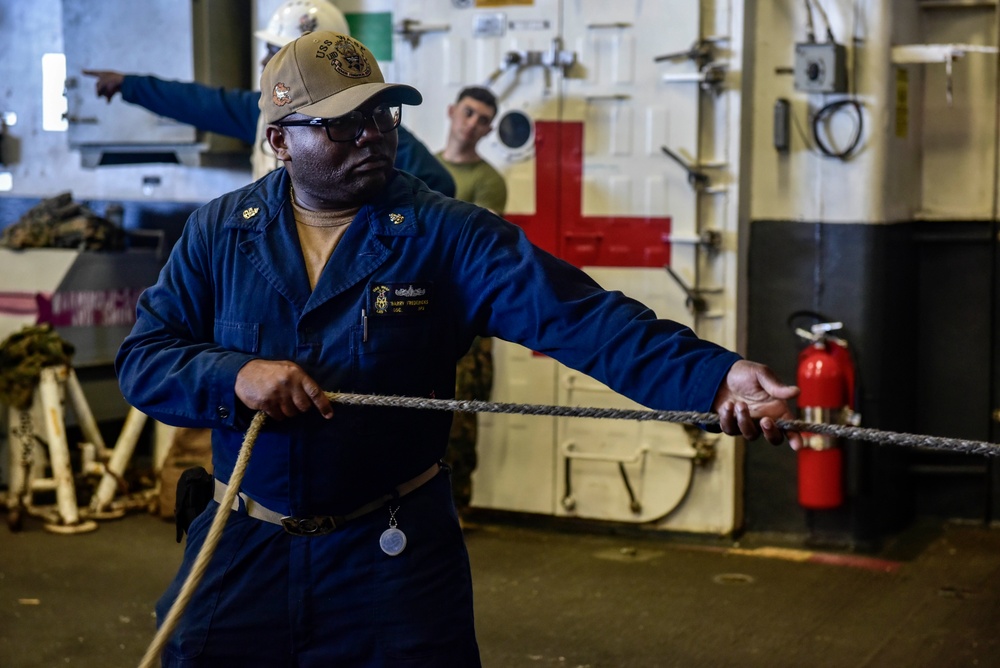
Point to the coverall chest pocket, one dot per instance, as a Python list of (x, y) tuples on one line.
[(239, 336), (398, 355)]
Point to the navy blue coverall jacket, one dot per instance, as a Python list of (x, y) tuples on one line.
[(428, 273)]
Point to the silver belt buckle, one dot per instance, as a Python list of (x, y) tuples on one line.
[(317, 525)]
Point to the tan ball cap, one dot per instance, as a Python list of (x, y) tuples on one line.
[(324, 75)]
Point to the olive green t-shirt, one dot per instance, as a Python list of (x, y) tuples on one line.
[(479, 183)]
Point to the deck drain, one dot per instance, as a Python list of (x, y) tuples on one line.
[(733, 579)]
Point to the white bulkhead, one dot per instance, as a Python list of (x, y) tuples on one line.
[(594, 98)]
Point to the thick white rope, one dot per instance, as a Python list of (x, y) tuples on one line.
[(151, 658), (472, 406)]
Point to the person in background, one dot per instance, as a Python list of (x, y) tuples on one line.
[(476, 181), (234, 112), (345, 548)]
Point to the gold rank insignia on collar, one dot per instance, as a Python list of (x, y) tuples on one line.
[(250, 213), (396, 218)]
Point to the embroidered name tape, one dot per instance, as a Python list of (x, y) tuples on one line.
[(400, 298)]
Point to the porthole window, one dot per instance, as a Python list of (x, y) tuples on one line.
[(515, 129)]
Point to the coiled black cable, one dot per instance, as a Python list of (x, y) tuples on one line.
[(827, 112)]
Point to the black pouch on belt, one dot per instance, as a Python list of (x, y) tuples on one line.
[(195, 489)]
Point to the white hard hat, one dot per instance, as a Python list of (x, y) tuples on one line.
[(297, 17)]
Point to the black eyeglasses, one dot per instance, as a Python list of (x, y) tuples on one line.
[(352, 125)]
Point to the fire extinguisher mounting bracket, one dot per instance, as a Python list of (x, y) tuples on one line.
[(821, 331)]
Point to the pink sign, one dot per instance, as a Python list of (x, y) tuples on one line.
[(88, 308)]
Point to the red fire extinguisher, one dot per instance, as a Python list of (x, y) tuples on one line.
[(826, 380)]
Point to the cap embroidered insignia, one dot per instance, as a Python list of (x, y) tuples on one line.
[(281, 94)]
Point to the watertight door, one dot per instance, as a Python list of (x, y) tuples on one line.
[(586, 108)]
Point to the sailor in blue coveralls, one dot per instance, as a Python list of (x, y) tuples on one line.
[(236, 113), (341, 273)]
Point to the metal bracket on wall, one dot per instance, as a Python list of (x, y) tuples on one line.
[(412, 30), (569, 452), (702, 52), (703, 444), (695, 301), (554, 58), (909, 54), (698, 179), (709, 240), (711, 78), (710, 75)]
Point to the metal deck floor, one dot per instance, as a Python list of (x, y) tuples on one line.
[(551, 596)]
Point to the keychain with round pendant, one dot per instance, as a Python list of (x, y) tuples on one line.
[(392, 541)]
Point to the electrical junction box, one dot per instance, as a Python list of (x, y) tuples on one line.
[(820, 67)]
